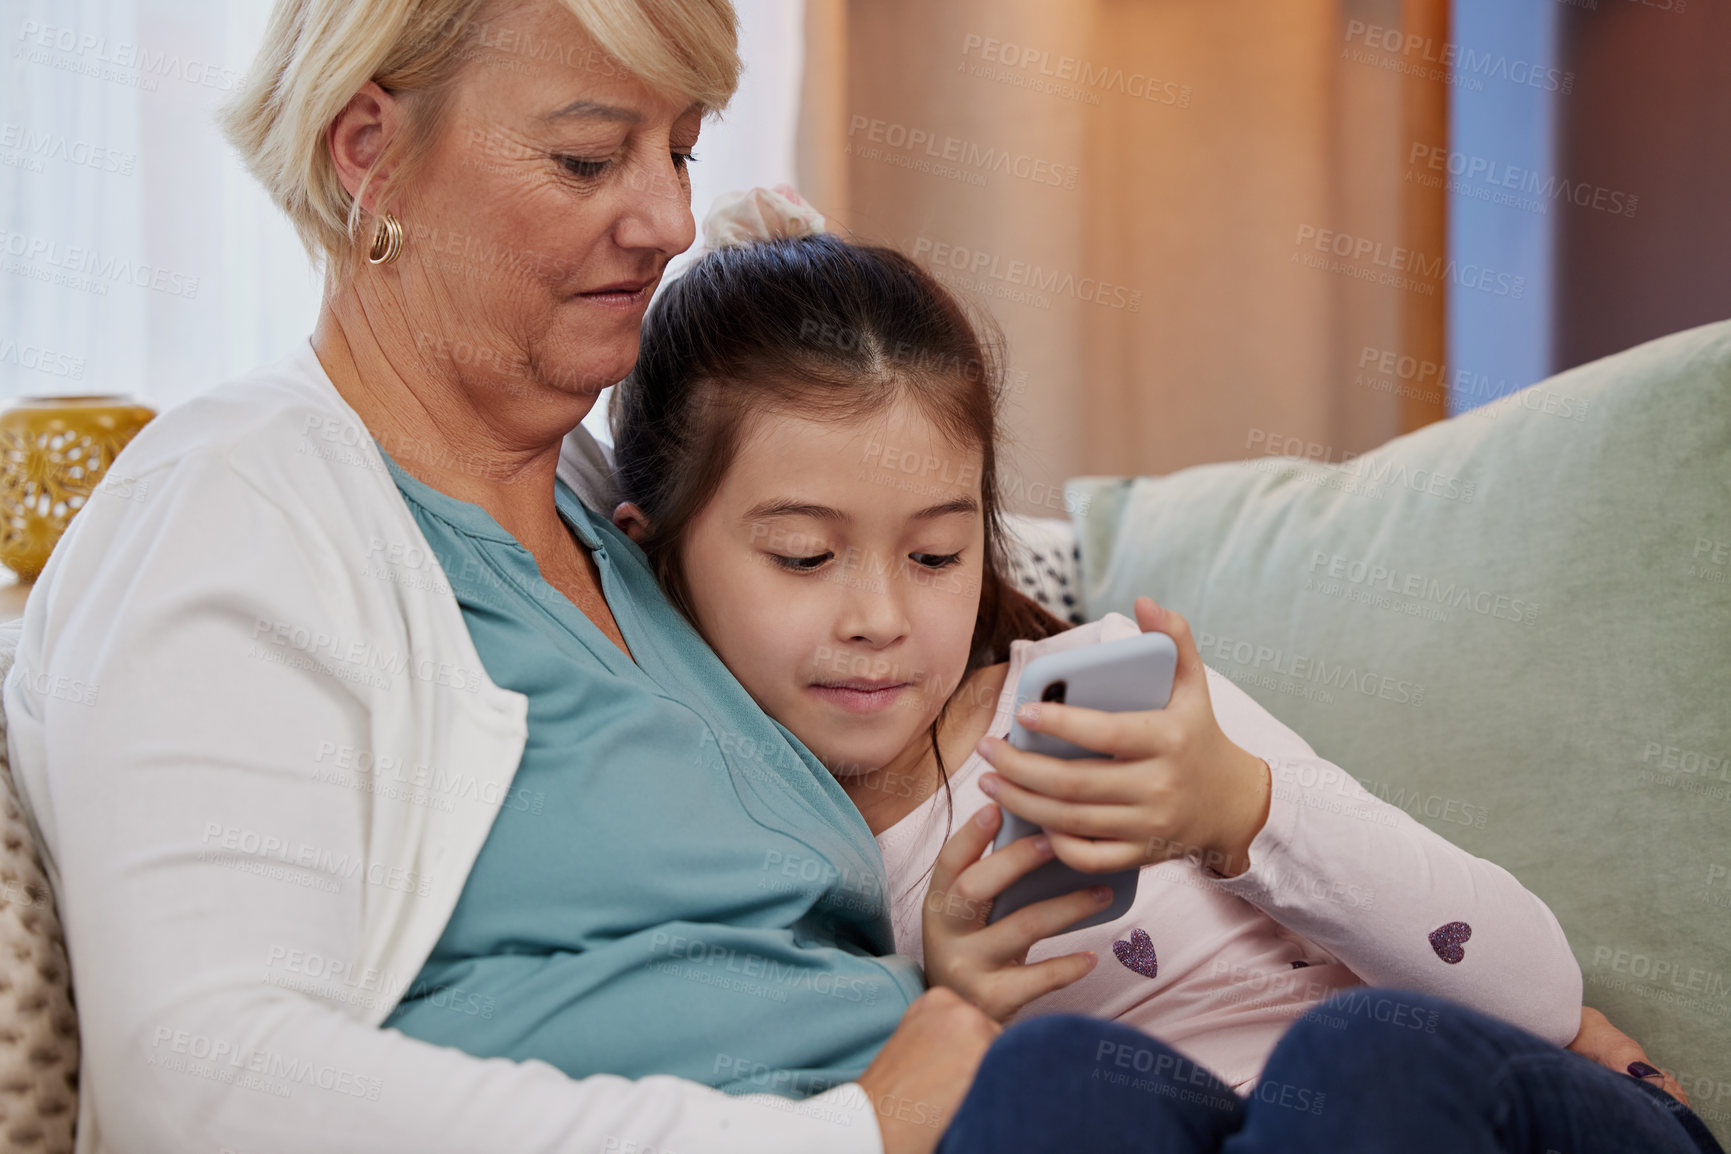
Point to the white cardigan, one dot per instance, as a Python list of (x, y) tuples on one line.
[(261, 755)]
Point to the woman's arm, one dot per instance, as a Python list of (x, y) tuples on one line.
[(209, 864)]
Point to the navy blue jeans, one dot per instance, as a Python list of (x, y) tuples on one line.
[(1369, 1071)]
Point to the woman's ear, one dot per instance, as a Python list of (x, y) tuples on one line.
[(359, 135), (629, 519)]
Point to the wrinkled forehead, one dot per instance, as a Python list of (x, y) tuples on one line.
[(535, 69)]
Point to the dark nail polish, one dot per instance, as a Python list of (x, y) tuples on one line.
[(1642, 1070)]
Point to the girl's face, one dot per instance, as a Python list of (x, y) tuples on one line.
[(837, 574)]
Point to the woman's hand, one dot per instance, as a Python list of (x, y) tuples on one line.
[(1175, 784), (1608, 1046), (987, 964), (923, 1072)]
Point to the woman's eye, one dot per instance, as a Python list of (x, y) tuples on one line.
[(801, 564), (935, 560), (585, 169), (682, 159)]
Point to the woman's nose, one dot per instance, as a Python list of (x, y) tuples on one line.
[(657, 211)]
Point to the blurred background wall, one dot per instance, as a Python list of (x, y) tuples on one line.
[(1150, 199), (1210, 227), (1203, 227)]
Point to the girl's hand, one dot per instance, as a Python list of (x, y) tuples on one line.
[(1175, 784), (987, 964), (1608, 1046)]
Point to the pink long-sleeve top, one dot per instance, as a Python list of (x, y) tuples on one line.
[(1343, 890)]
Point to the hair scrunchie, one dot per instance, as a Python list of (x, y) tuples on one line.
[(759, 214)]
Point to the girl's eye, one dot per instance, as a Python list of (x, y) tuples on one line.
[(584, 169), (935, 560), (801, 564)]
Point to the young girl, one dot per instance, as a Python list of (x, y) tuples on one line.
[(807, 454)]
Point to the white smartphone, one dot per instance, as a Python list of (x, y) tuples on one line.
[(1131, 674)]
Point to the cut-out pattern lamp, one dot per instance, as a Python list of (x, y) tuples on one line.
[(54, 451)]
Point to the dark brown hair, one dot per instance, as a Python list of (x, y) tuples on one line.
[(821, 328), (824, 329)]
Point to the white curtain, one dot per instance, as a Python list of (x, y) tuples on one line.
[(139, 256), (136, 254)]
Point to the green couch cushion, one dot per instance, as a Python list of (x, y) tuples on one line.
[(1514, 624)]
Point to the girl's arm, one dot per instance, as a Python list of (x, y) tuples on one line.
[(1216, 777), (205, 873), (1399, 904)]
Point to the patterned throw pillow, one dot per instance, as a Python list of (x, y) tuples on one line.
[(1043, 560)]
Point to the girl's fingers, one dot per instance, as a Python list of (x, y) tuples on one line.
[(1102, 857), (1130, 736), (1190, 676), (1019, 985), (1091, 780), (1082, 820), (980, 884), (964, 847), (1011, 938)]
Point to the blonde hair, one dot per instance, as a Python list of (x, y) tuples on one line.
[(317, 53)]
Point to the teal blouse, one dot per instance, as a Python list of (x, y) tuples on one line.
[(674, 884)]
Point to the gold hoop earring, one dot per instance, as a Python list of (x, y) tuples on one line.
[(387, 241)]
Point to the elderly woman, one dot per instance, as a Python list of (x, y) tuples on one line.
[(377, 691), (382, 723)]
